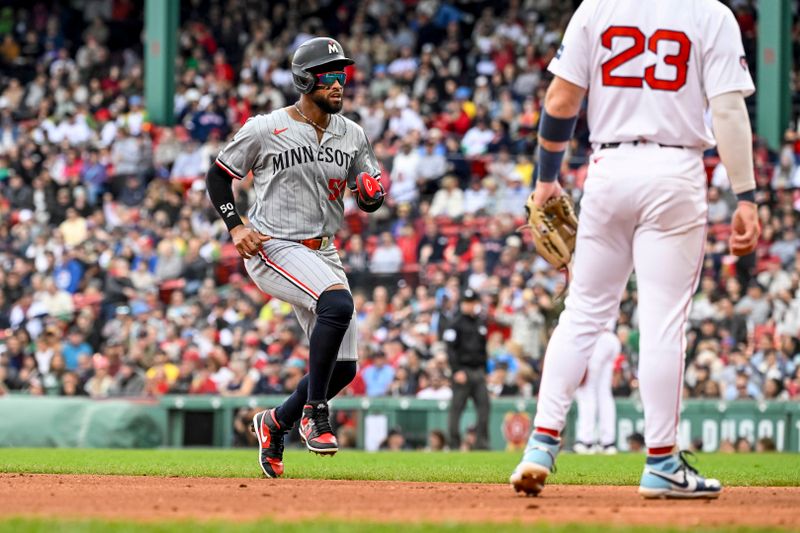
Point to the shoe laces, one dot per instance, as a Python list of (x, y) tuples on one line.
[(321, 418), (684, 456), (276, 443)]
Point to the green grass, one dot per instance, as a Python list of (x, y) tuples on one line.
[(25, 525), (479, 467)]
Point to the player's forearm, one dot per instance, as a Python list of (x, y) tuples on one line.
[(556, 126), (734, 142), (220, 191)]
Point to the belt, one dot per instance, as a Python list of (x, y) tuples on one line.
[(317, 243), (607, 146)]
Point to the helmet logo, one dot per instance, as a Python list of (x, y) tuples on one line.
[(332, 47)]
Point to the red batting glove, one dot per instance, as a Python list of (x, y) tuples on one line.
[(369, 189)]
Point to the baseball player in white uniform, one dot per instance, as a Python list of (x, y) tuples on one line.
[(302, 158), (652, 68), (595, 428)]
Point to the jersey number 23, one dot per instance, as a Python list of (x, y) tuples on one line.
[(679, 60)]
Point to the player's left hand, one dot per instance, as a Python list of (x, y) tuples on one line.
[(545, 191), (369, 191), (746, 229)]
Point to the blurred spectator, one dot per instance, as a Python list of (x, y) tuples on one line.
[(100, 384), (754, 304), (743, 445), (635, 442), (346, 437), (394, 442), (436, 442), (129, 380), (438, 389), (526, 322), (449, 200), (765, 445), (74, 348), (107, 240), (387, 257), (378, 376)]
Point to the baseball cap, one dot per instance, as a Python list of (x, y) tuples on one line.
[(470, 296)]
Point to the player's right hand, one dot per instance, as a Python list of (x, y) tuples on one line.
[(746, 229), (247, 241), (546, 190)]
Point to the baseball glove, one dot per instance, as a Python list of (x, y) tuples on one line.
[(554, 227)]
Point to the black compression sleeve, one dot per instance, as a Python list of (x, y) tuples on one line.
[(220, 191)]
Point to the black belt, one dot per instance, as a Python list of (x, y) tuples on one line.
[(606, 146)]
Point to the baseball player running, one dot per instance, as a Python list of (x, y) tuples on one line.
[(596, 407), (302, 158), (653, 68)]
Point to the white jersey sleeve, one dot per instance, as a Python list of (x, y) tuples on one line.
[(724, 64), (244, 152), (573, 61)]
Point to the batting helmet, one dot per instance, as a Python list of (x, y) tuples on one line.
[(315, 53)]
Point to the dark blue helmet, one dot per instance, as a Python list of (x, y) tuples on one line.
[(313, 54)]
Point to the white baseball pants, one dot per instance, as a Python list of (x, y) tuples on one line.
[(291, 272), (644, 209)]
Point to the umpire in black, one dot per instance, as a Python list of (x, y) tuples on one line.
[(466, 347)]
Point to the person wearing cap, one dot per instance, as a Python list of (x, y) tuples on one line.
[(129, 380), (74, 347), (466, 349), (754, 304)]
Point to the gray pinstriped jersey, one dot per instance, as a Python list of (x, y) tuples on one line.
[(299, 182)]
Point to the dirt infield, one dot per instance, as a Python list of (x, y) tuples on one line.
[(151, 498)]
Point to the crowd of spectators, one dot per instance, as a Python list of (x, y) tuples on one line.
[(117, 278)]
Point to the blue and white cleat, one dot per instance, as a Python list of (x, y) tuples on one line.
[(537, 463), (673, 477)]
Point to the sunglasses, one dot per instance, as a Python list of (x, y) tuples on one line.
[(329, 78)]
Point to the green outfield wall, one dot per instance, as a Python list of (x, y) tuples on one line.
[(176, 421)]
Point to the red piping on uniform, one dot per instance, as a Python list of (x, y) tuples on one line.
[(228, 171), (287, 275)]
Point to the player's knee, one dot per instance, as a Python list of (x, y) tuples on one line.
[(335, 308)]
